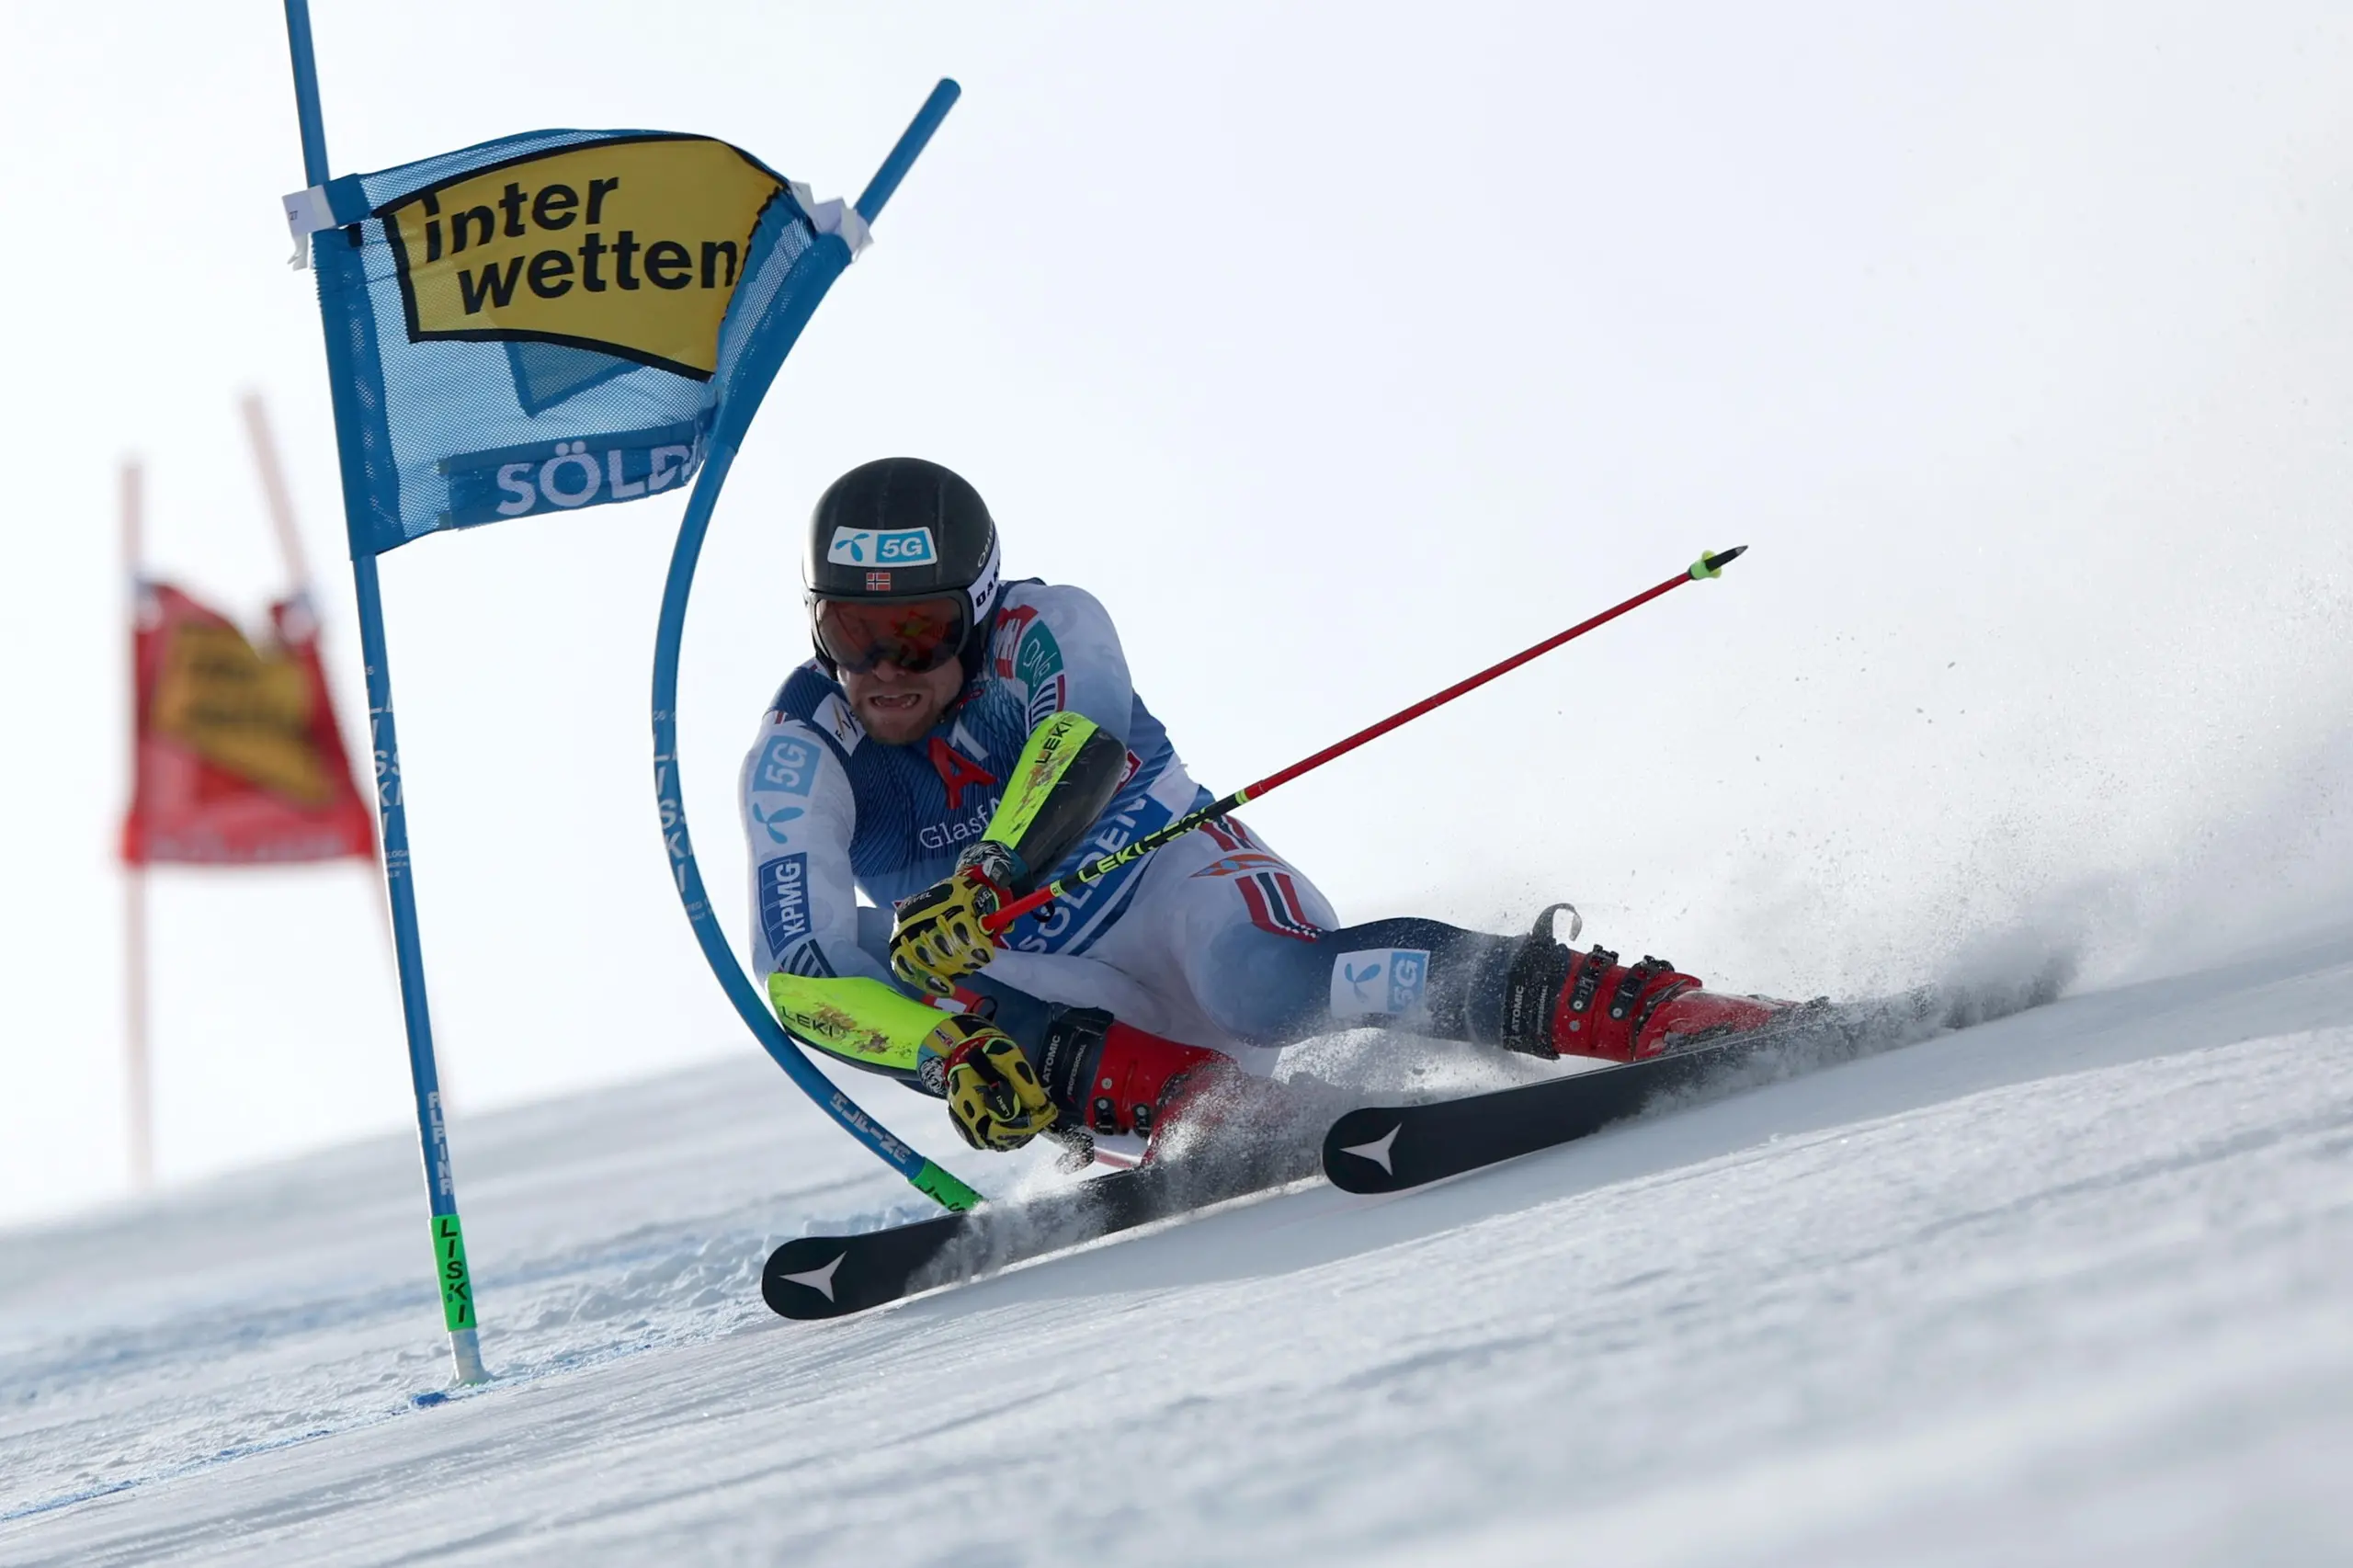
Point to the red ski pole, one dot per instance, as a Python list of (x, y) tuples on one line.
[(1710, 564)]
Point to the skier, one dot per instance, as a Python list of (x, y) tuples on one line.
[(959, 740)]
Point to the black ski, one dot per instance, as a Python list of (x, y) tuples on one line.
[(1374, 1149), (1390, 1148), (826, 1276)]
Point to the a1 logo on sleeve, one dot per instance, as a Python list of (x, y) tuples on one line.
[(882, 547)]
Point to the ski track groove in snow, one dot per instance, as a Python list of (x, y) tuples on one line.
[(2065, 1287)]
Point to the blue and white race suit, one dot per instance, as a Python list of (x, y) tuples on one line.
[(1214, 940)]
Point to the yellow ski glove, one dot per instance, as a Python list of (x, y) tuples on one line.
[(940, 939), (994, 1095)]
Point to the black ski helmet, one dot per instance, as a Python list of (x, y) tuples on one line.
[(904, 529)]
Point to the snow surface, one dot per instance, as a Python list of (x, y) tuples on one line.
[(2072, 1287)]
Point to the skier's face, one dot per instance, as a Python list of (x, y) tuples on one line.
[(899, 708)]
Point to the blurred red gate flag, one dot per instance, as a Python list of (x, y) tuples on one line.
[(240, 761)]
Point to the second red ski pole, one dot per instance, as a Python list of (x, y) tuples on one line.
[(1710, 564)]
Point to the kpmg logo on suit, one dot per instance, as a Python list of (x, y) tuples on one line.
[(784, 901)]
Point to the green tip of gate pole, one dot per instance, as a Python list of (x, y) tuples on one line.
[(1711, 564), (934, 1182)]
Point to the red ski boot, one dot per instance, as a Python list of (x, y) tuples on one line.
[(1559, 1002), (1116, 1080)]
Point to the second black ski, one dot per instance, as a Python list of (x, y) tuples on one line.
[(1390, 1148)]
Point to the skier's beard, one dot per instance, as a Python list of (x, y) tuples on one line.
[(899, 708)]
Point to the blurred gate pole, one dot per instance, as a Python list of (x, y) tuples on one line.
[(138, 1087), (297, 574), (273, 487)]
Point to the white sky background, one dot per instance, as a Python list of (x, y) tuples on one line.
[(1341, 350)]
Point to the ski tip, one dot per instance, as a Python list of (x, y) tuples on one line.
[(1361, 1151), (799, 1279)]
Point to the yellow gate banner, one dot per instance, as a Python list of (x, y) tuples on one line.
[(631, 247), (240, 709), (240, 759)]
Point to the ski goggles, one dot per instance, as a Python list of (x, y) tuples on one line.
[(917, 635)]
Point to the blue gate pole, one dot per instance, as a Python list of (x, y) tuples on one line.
[(762, 359), (339, 303)]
